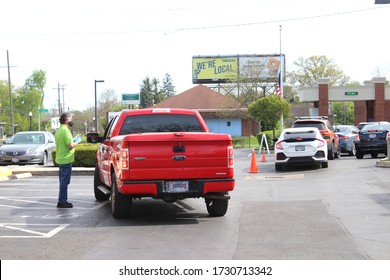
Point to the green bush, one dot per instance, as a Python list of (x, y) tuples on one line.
[(269, 137), (245, 142), (85, 155)]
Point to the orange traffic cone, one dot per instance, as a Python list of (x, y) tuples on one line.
[(263, 159), (253, 168)]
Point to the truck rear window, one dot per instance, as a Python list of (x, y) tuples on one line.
[(160, 123)]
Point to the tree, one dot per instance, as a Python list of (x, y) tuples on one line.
[(308, 71), (269, 110), (25, 99), (343, 112), (37, 81), (167, 86), (249, 86), (108, 102), (146, 94), (158, 94)]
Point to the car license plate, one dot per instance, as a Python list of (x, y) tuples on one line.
[(372, 135), (176, 186), (299, 148), (15, 160)]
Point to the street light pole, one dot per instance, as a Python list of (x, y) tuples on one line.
[(96, 119), (30, 115)]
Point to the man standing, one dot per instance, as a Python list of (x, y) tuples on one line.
[(65, 157)]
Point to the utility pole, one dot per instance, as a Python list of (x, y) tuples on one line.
[(61, 109), (63, 98), (10, 95)]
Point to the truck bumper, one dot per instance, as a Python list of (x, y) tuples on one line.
[(196, 188)]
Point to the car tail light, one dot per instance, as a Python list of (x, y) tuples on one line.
[(320, 143), (278, 145), (357, 138), (124, 159), (230, 152), (343, 137)]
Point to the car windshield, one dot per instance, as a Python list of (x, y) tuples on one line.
[(376, 127), (27, 138), (319, 125)]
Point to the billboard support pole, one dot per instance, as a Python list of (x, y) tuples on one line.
[(281, 76)]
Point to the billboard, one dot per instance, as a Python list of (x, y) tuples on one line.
[(214, 69), (222, 69)]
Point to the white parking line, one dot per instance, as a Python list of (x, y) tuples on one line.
[(35, 234), (95, 205), (24, 200)]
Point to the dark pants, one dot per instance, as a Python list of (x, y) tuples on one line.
[(64, 176)]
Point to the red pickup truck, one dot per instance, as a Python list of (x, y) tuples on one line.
[(166, 154)]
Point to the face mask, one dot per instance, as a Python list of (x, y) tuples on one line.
[(70, 124)]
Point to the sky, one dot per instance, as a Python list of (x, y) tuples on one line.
[(122, 42)]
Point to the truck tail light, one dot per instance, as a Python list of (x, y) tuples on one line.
[(124, 159), (230, 152)]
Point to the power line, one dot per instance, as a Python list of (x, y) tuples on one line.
[(281, 20), (201, 27)]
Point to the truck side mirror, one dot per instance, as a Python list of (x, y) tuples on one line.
[(93, 137)]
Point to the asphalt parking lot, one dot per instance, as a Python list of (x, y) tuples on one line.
[(340, 212)]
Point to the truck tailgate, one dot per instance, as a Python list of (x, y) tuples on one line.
[(174, 156)]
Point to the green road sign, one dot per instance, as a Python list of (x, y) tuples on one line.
[(43, 110), (351, 93), (130, 98)]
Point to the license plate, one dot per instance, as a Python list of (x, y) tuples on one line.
[(299, 148), (372, 135), (176, 186), (15, 160)]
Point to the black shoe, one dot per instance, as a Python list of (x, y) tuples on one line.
[(64, 205)]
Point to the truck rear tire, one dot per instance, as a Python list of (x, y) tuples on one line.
[(120, 203), (99, 195), (217, 207)]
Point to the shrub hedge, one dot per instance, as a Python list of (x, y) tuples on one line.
[(85, 155)]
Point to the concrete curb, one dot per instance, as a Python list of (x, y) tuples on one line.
[(4, 178), (21, 175), (383, 163), (19, 172)]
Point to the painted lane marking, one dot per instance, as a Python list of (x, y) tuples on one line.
[(35, 234)]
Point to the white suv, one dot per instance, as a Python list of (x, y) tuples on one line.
[(300, 145)]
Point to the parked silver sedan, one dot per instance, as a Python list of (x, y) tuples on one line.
[(28, 147)]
